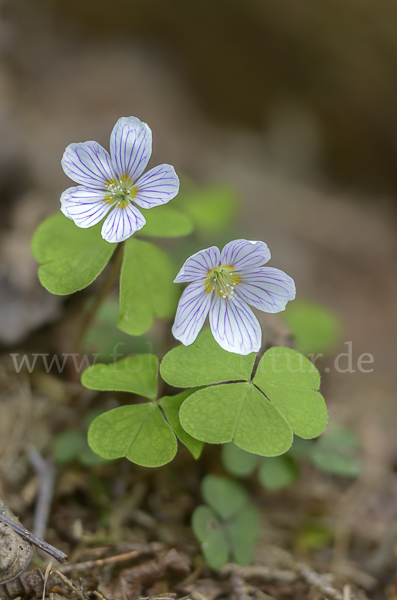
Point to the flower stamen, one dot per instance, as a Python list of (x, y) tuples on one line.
[(222, 280), (121, 191)]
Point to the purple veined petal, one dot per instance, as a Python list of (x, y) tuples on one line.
[(243, 254), (192, 311), (267, 289), (88, 164), (122, 223), (130, 147), (84, 206), (157, 186), (234, 325), (197, 266)]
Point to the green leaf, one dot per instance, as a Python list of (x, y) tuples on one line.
[(243, 532), (146, 288), (136, 374), (166, 221), (68, 446), (209, 532), (71, 257), (238, 413), (289, 380), (301, 448), (138, 432), (203, 363), (335, 452), (278, 472), (238, 462), (336, 462), (212, 208), (314, 536), (88, 458), (105, 339), (224, 495), (340, 437), (314, 327), (171, 406)]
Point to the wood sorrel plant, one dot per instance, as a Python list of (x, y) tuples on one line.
[(228, 395)]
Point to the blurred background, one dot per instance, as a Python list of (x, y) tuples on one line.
[(293, 105)]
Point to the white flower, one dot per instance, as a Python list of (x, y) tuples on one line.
[(111, 185), (223, 284)]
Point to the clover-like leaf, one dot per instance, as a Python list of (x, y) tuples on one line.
[(166, 221), (277, 472), (209, 531), (146, 288), (290, 382), (138, 432), (243, 531), (171, 406), (136, 374), (71, 258), (224, 495), (203, 363), (239, 413), (238, 462)]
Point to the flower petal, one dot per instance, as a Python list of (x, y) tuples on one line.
[(234, 325), (84, 206), (157, 186), (89, 164), (243, 254), (267, 289), (192, 311), (130, 147), (198, 265), (122, 223)]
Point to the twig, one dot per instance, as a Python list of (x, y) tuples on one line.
[(100, 562), (46, 471), (319, 581), (33, 539), (70, 584), (262, 572), (46, 574)]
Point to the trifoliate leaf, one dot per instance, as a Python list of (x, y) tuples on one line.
[(146, 288), (136, 374), (71, 257), (278, 472), (238, 462), (314, 327), (171, 406), (239, 413), (290, 382), (166, 221), (203, 363), (224, 495), (243, 531), (138, 432), (210, 533)]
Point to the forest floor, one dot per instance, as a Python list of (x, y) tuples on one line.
[(323, 536)]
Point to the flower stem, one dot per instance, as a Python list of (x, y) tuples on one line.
[(102, 293)]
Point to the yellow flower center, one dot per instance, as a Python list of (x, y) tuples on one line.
[(222, 280), (120, 192)]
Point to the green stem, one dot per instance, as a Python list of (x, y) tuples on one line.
[(102, 293)]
